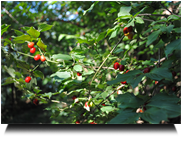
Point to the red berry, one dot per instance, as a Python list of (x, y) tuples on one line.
[(146, 70), (32, 50), (42, 58), (174, 88), (79, 74), (103, 104), (121, 67), (174, 73), (77, 122), (74, 97), (35, 101), (86, 104), (127, 71), (124, 82), (125, 30), (93, 122), (27, 79), (116, 65), (141, 111), (30, 44), (37, 57), (130, 29), (156, 82)]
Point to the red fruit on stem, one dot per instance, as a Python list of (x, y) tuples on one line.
[(37, 57), (32, 50), (27, 79), (77, 122), (130, 29), (42, 58), (141, 111), (125, 30), (156, 82), (74, 97), (103, 104), (146, 70), (93, 122), (121, 67), (35, 101), (127, 71), (30, 44), (174, 88), (116, 65), (79, 74), (124, 82), (174, 73)]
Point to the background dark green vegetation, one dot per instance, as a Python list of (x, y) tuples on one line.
[(89, 31)]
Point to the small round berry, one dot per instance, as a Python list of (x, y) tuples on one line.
[(30, 44), (125, 30), (27, 79), (32, 50), (86, 104), (127, 71), (174, 88), (79, 74), (74, 97), (146, 70), (35, 101), (141, 111), (37, 57), (77, 122), (42, 58), (116, 65), (156, 82), (103, 104), (130, 29), (121, 67), (124, 82), (93, 122)]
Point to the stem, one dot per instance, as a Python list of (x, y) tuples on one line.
[(106, 59), (25, 54)]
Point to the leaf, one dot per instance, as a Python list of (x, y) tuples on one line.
[(114, 33), (101, 36), (61, 56), (19, 33), (160, 73), (174, 45), (44, 27), (173, 18), (89, 42), (33, 32), (124, 11), (129, 100), (47, 95), (89, 72), (154, 115), (61, 36), (91, 7), (107, 108), (140, 11), (134, 81), (177, 30), (139, 20), (77, 67), (4, 28), (22, 64), (152, 37), (125, 117), (160, 44), (38, 73), (8, 80), (41, 45), (118, 50), (22, 39), (60, 76)]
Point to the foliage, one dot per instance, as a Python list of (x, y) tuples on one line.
[(87, 37)]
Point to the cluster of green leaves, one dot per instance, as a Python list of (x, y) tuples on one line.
[(154, 36)]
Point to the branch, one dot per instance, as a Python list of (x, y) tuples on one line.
[(12, 17)]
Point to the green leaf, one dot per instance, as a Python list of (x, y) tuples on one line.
[(107, 108), (129, 100), (160, 44), (123, 62), (177, 30), (61, 56), (33, 32), (89, 72), (25, 28), (89, 42), (19, 33), (60, 76), (152, 37), (134, 81), (114, 33), (174, 45), (44, 27), (125, 10), (77, 67), (140, 11), (101, 36), (160, 73), (22, 39), (47, 95), (61, 36), (173, 18), (8, 80), (41, 45), (4, 29), (118, 50), (91, 7), (139, 20), (154, 115), (22, 64), (38, 73), (125, 117)]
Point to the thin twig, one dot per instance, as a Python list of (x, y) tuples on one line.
[(12, 16)]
